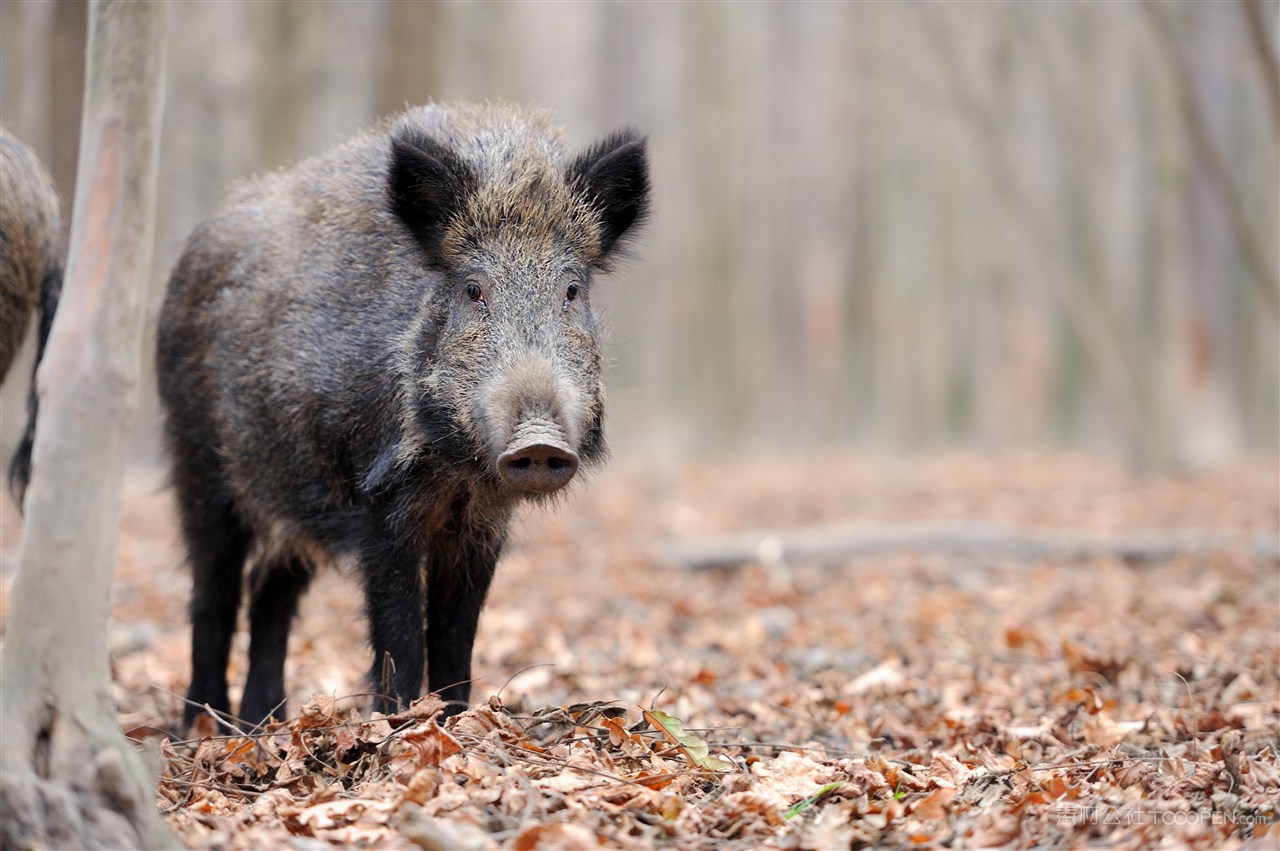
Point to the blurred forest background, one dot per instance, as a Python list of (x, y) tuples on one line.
[(894, 225)]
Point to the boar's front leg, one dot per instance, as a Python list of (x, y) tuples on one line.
[(273, 603), (460, 565), (393, 600), (218, 543)]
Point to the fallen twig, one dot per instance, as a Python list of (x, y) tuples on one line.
[(834, 545)]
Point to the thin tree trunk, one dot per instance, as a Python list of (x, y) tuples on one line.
[(68, 778), (1262, 273), (1268, 66)]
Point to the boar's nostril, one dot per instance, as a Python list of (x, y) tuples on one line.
[(538, 467)]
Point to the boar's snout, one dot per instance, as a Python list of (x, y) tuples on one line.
[(530, 415), (537, 460)]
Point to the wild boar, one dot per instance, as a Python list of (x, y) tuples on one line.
[(31, 265), (373, 357)]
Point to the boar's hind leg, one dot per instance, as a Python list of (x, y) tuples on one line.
[(459, 569), (217, 543), (273, 602), (393, 600)]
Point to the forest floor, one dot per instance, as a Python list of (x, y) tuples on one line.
[(902, 699)]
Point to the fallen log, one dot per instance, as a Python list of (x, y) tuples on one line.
[(839, 545)]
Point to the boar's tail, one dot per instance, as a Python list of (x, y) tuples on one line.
[(20, 466)]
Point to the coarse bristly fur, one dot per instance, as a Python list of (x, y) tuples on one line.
[(31, 262), (352, 352)]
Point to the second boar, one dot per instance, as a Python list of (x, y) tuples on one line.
[(31, 266)]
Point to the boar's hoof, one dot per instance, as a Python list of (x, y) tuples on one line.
[(538, 467)]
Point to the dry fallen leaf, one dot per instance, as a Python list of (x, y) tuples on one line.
[(934, 805), (560, 836), (946, 772)]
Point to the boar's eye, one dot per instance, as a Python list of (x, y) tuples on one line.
[(570, 294), (475, 293)]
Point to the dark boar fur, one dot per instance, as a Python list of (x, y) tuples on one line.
[(372, 357), (31, 251)]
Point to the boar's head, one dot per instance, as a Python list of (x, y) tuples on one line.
[(508, 345)]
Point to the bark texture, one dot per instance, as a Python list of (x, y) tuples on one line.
[(69, 778)]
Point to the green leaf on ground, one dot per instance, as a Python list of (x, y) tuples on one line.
[(693, 746), (805, 803)]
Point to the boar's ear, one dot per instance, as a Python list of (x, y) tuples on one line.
[(614, 176), (427, 185)]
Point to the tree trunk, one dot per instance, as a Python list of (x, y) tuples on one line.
[(68, 778)]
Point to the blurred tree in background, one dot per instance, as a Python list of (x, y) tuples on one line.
[(893, 225)]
